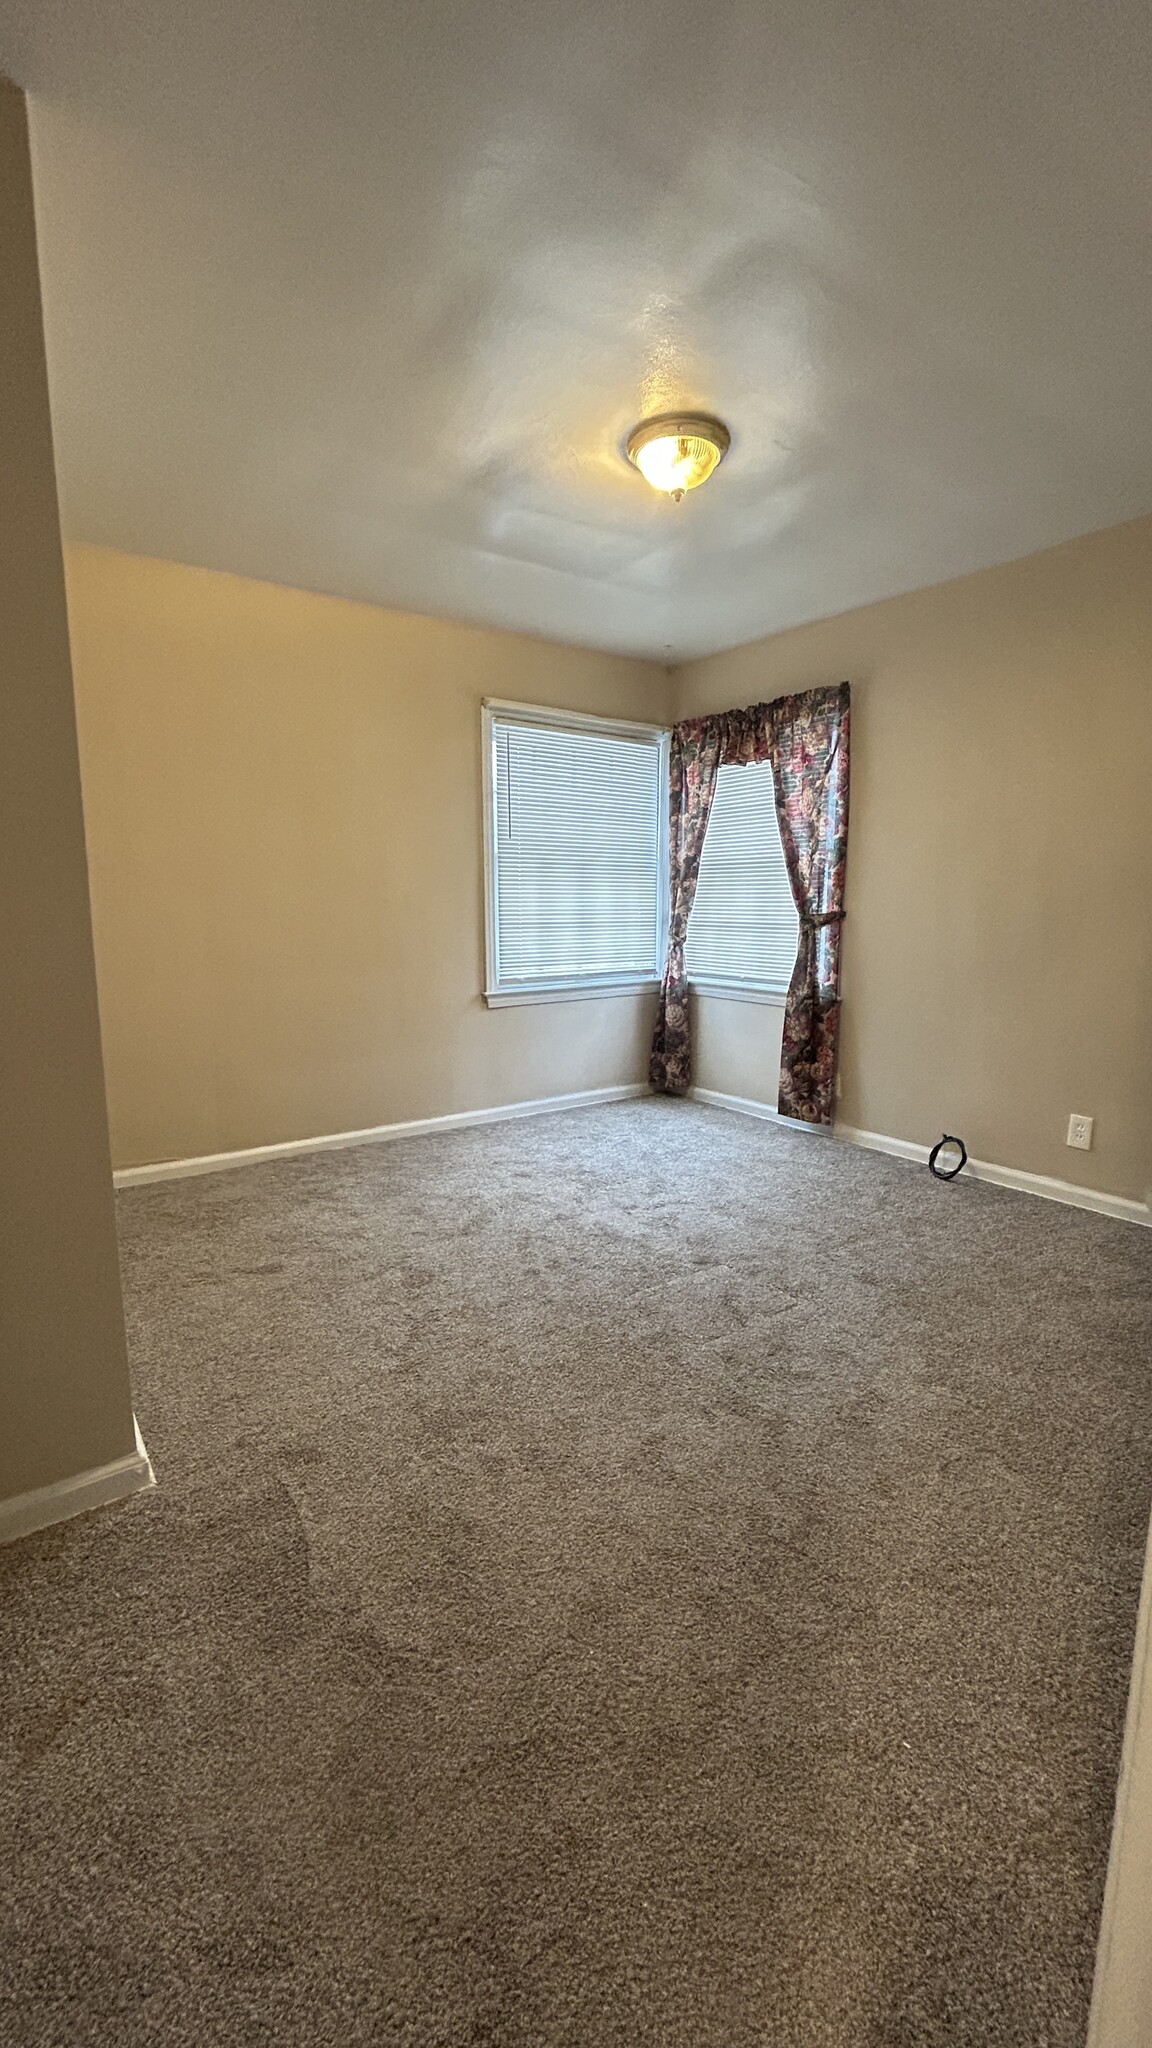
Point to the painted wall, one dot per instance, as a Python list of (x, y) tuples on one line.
[(65, 1401), (998, 943), (282, 795), (1122, 1994), (736, 1046)]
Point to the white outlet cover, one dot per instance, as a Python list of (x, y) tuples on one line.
[(1080, 1132)]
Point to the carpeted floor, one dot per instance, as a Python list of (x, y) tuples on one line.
[(633, 1579)]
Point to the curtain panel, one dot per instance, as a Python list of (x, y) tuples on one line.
[(693, 759), (806, 738)]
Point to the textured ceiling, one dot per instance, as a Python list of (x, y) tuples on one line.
[(364, 297)]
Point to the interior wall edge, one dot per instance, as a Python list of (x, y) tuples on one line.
[(65, 1391), (1121, 2015), (41, 1508)]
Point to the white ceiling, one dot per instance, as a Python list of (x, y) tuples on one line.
[(363, 295)]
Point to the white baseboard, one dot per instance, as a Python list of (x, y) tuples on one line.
[(1120, 1206), (1042, 1184), (27, 1512), (379, 1134), (745, 1106)]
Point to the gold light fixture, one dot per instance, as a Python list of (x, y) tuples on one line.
[(676, 451)]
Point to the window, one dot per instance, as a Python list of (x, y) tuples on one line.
[(576, 837), (743, 931)]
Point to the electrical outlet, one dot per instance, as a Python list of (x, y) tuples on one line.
[(1080, 1132)]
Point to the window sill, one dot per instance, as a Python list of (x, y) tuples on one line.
[(566, 992), (740, 992)]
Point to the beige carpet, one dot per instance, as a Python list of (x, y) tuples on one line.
[(633, 1579)]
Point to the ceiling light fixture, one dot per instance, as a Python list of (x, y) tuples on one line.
[(676, 451)]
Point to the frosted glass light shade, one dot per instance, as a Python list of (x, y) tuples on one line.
[(678, 451)]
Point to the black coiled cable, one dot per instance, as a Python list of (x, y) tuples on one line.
[(947, 1172)]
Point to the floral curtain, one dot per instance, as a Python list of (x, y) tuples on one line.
[(694, 757), (810, 750), (806, 738)]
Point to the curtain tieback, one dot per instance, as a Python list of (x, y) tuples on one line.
[(820, 917)]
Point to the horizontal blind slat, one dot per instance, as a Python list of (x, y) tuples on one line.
[(576, 847), (743, 925)]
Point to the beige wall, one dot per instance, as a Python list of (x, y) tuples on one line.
[(1122, 1995), (65, 1404), (282, 795), (288, 945), (998, 944), (736, 1046)]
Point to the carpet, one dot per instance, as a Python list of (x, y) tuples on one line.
[(638, 1578)]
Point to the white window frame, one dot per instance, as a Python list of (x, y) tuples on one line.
[(739, 991), (584, 986)]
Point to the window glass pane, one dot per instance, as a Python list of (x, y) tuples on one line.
[(744, 926), (576, 839)]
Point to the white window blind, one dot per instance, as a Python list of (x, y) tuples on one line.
[(576, 873), (743, 930)]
